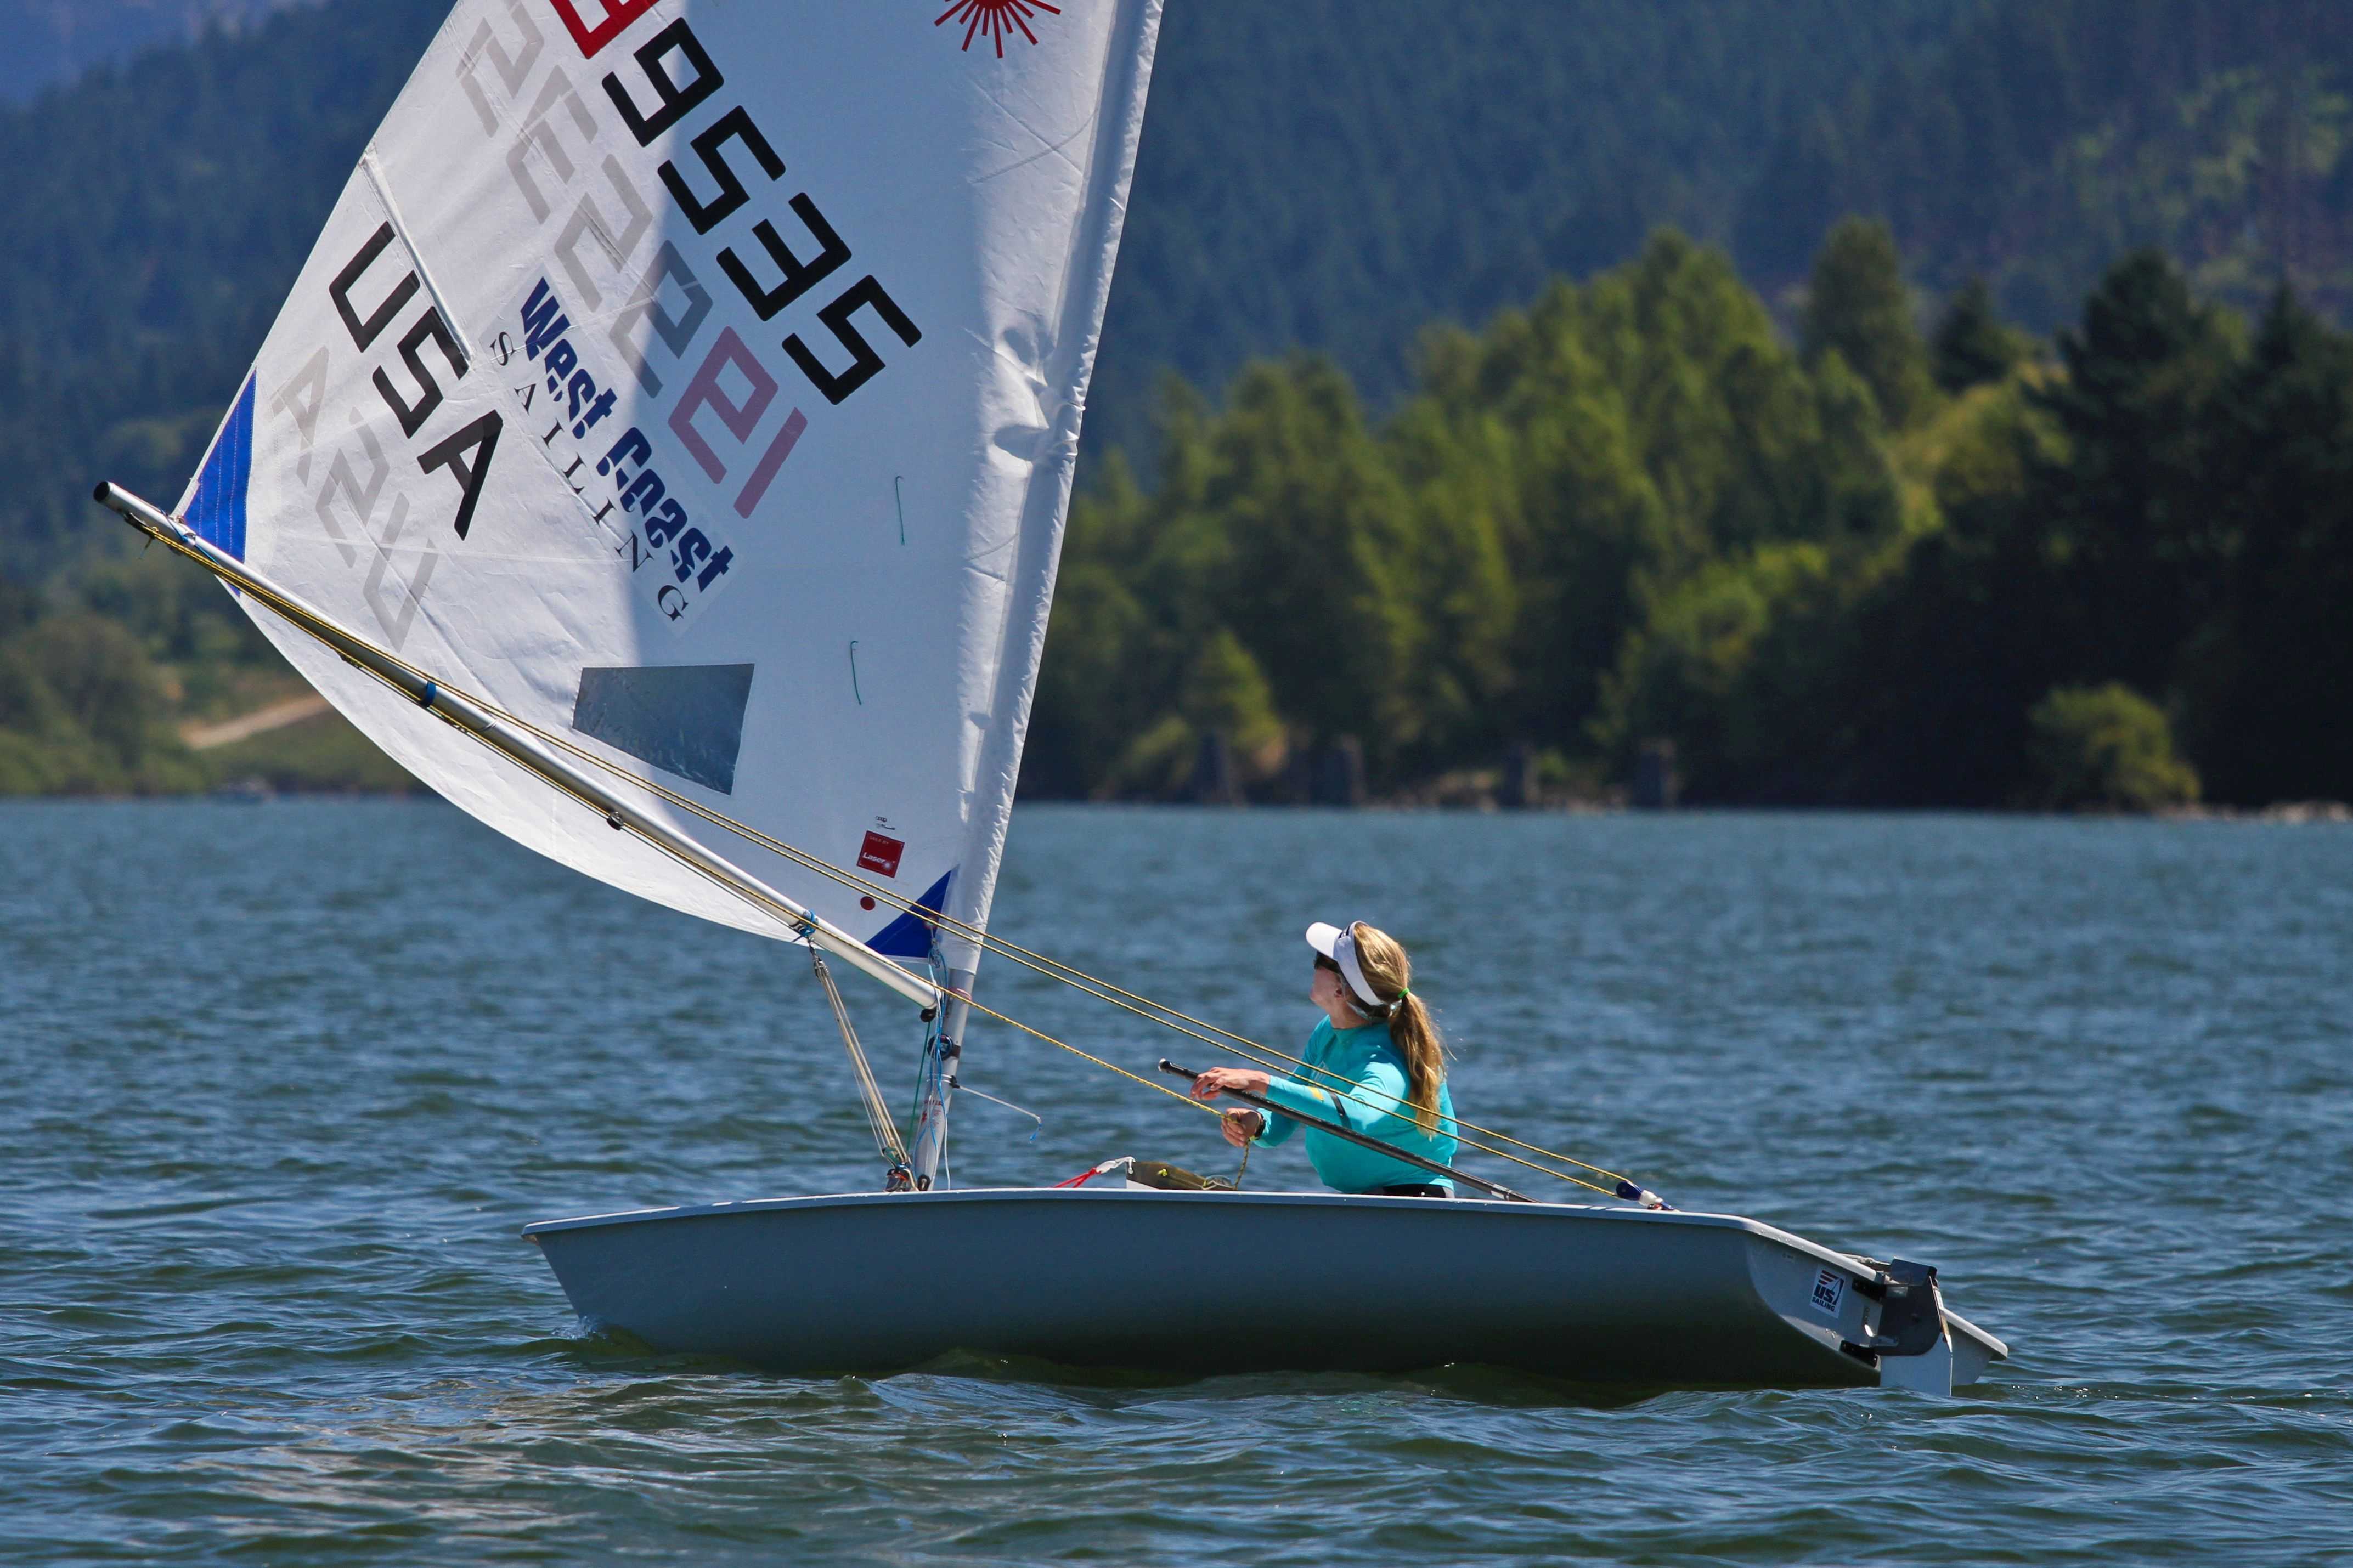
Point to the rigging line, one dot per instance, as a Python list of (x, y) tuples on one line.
[(1053, 969), (1082, 983), (769, 906), (1341, 1130), (779, 913), (1100, 990), (1087, 1056), (963, 1087), (1103, 990), (1338, 1094), (870, 1093)]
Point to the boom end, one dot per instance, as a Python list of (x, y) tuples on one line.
[(143, 515)]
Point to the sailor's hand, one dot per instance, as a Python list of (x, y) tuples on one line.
[(1240, 1126), (1209, 1085)]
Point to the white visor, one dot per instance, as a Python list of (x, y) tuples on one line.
[(1336, 943)]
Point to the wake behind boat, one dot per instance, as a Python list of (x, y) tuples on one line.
[(664, 456)]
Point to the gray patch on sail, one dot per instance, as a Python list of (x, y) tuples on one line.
[(686, 719)]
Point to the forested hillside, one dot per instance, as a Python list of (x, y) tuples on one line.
[(1335, 174), (1864, 568), (1332, 173), (2043, 141), (1565, 463), (150, 221), (46, 42)]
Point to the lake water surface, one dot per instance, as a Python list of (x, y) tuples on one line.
[(279, 1085)]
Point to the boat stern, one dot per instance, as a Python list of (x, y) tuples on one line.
[(1889, 1318)]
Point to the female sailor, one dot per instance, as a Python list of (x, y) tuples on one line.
[(1375, 1064)]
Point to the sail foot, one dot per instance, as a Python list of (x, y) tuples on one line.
[(512, 741)]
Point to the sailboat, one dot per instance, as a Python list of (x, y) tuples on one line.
[(664, 456)]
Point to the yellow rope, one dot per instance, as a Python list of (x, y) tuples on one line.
[(1101, 990), (1108, 1067), (1053, 969), (1198, 1105)]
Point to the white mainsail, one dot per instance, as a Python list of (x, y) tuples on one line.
[(699, 380)]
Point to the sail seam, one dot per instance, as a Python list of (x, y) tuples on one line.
[(374, 169)]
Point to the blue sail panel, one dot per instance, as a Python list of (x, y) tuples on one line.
[(910, 936), (217, 512)]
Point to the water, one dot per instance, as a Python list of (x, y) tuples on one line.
[(282, 1083)]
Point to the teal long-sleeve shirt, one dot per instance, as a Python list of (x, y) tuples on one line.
[(1362, 1084)]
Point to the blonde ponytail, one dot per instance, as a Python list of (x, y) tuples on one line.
[(1415, 1034)]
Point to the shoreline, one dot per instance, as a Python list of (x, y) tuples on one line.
[(2290, 814)]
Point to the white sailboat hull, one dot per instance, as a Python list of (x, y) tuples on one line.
[(1236, 1282)]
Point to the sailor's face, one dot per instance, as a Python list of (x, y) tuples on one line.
[(1325, 990)]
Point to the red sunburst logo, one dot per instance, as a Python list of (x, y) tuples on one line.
[(995, 18)]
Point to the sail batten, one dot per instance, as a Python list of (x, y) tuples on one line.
[(700, 381)]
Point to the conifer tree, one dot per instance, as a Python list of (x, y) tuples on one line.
[(2131, 511), (2268, 685), (1971, 344), (1857, 303)]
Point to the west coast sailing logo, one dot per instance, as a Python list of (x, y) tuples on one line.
[(995, 19), (637, 493)]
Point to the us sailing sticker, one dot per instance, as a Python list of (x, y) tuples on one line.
[(1829, 1291)]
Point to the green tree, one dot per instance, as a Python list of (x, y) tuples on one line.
[(1222, 693), (1691, 672), (1950, 647), (2134, 530), (2268, 675), (1318, 581), (1460, 484), (81, 710), (2109, 748), (103, 683), (1225, 693), (1857, 304), (1972, 344)]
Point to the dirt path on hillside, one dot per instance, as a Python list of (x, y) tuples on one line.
[(277, 716)]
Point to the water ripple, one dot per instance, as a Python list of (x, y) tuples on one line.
[(285, 1083)]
